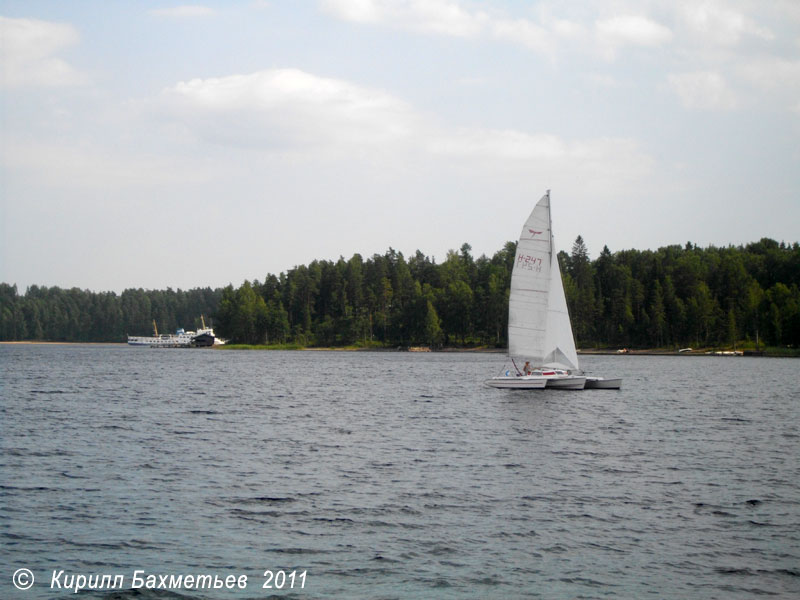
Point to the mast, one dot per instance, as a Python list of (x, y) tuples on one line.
[(550, 224)]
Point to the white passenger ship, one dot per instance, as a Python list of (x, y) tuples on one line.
[(180, 339)]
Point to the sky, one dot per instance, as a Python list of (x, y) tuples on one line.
[(156, 144)]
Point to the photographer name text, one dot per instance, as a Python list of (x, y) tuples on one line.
[(270, 580)]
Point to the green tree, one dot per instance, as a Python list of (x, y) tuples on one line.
[(658, 315)]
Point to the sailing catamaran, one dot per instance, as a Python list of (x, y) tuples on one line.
[(539, 328)]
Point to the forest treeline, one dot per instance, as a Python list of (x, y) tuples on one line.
[(672, 297), (74, 315)]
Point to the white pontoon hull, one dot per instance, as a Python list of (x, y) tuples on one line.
[(601, 383), (566, 382), (517, 383)]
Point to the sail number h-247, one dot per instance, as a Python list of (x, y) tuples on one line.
[(531, 263)]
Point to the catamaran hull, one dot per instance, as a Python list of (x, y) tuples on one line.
[(517, 383), (569, 382), (601, 383)]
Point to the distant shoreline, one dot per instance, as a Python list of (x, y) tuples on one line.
[(478, 350), (47, 343)]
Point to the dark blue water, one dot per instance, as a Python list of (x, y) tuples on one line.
[(396, 475)]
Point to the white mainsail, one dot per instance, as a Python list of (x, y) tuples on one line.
[(539, 328)]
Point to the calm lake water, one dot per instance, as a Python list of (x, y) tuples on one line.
[(398, 475)]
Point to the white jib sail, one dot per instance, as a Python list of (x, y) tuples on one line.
[(539, 328)]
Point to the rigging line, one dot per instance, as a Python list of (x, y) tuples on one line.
[(516, 367)]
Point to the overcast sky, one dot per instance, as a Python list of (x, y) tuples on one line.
[(155, 144)]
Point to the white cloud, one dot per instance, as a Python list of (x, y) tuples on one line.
[(703, 90), (444, 17), (288, 111), (629, 30), (772, 78), (499, 144), (721, 25), (601, 80), (524, 32), (611, 158), (287, 108), (357, 11), (450, 18), (94, 165), (771, 72), (473, 81), (545, 35), (29, 53), (564, 28), (185, 11)]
